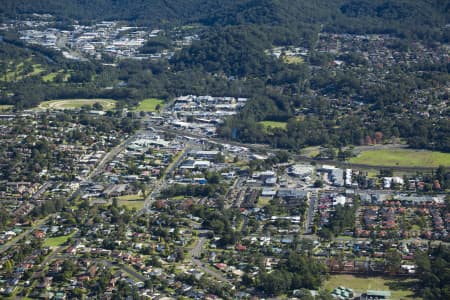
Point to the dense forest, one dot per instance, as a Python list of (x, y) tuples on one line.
[(413, 18), (434, 273)]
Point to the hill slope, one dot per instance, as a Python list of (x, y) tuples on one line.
[(418, 17)]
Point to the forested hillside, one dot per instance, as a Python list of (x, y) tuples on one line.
[(421, 18), (341, 92)]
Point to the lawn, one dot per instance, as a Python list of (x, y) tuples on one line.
[(372, 173), (293, 60), (15, 72), (404, 158), (131, 201), (57, 241), (399, 287), (263, 201), (107, 104), (6, 107), (149, 105), (37, 69), (273, 124), (311, 151), (51, 76), (178, 198)]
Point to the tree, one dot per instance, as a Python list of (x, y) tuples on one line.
[(442, 175), (247, 280), (318, 183), (393, 261), (180, 254), (9, 265), (97, 106), (276, 282), (434, 273), (148, 284)]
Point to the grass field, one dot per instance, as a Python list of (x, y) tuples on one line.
[(6, 107), (15, 72), (263, 201), (51, 76), (273, 124), (149, 105), (131, 201), (400, 288), (57, 241), (311, 151), (178, 198), (372, 173), (37, 69), (293, 60), (404, 158), (107, 104)]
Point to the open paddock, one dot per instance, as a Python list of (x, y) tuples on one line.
[(402, 158), (149, 105)]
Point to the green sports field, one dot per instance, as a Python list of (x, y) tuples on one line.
[(107, 104), (149, 105), (57, 241), (402, 157), (131, 201), (401, 288)]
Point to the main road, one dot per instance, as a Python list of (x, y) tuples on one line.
[(97, 170), (311, 210), (160, 183), (302, 158), (195, 253), (24, 234), (110, 156)]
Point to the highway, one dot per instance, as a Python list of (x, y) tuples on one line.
[(24, 234), (297, 157), (97, 170), (311, 210), (41, 190), (195, 254), (109, 156), (197, 250), (216, 274), (126, 269), (47, 261), (151, 198)]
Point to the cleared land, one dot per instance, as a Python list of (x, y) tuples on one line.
[(273, 124), (293, 60), (400, 288), (403, 158), (149, 105), (15, 72), (107, 104), (263, 201), (37, 69), (51, 76), (131, 201), (57, 241), (311, 151), (6, 107)]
